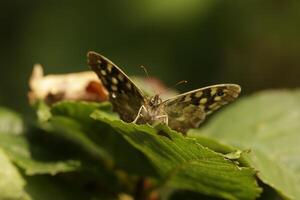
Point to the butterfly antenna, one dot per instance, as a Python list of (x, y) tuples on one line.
[(179, 83), (145, 70), (174, 86)]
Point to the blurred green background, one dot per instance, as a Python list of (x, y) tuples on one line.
[(252, 42)]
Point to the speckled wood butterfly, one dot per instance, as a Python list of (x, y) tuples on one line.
[(180, 113)]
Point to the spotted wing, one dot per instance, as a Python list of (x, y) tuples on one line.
[(125, 96), (188, 110)]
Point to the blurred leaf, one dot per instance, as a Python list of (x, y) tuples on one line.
[(11, 181), (39, 153), (42, 111), (70, 130), (188, 195), (183, 163), (19, 151), (75, 143), (79, 127), (268, 124), (10, 122), (78, 110), (18, 147), (45, 187), (212, 143)]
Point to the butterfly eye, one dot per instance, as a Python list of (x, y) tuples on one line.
[(155, 100), (152, 101)]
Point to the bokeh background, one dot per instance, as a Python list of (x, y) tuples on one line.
[(253, 43)]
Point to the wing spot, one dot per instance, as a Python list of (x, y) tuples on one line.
[(198, 94), (103, 72), (114, 88), (187, 98), (113, 95), (209, 112), (217, 98), (128, 85), (203, 101), (120, 77), (109, 67), (213, 91), (235, 95), (216, 107), (114, 80), (202, 107), (213, 106), (223, 102)]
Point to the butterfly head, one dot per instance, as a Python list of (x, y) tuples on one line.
[(155, 101)]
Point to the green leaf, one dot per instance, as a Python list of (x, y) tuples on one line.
[(11, 181), (16, 143), (42, 111), (93, 157), (79, 110), (22, 154), (45, 187), (232, 153), (183, 163), (267, 123), (75, 124), (70, 130), (10, 122), (100, 154)]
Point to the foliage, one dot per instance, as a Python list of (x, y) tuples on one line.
[(80, 150), (268, 124)]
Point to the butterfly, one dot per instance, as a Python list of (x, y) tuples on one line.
[(180, 113)]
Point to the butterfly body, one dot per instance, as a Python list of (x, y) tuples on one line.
[(180, 113), (152, 111)]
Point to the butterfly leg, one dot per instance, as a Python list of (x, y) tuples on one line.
[(164, 118), (139, 113)]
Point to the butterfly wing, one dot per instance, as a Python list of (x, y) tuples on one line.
[(188, 110), (125, 96)]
